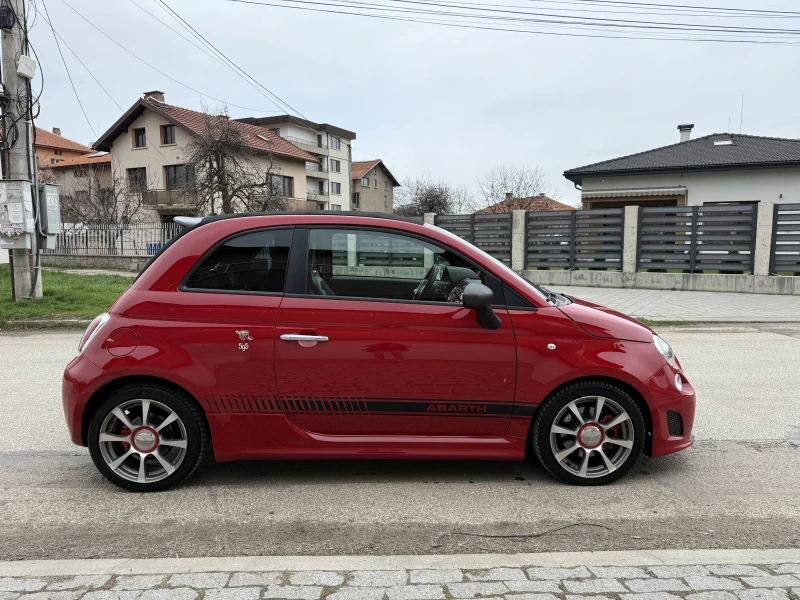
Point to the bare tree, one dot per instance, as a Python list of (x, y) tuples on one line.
[(229, 173), (422, 195), (462, 200), (506, 188)]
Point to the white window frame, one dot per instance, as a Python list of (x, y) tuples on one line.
[(335, 165), (335, 143), (365, 182), (336, 188)]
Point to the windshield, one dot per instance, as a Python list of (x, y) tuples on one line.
[(543, 293)]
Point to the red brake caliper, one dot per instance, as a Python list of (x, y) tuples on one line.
[(125, 431), (612, 433)]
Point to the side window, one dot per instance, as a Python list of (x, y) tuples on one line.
[(253, 262), (360, 263)]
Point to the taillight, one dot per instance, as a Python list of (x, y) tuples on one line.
[(92, 330)]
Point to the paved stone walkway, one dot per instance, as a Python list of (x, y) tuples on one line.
[(658, 582), (668, 305)]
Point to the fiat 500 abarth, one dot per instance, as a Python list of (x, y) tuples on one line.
[(335, 335)]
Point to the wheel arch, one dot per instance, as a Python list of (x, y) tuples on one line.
[(626, 387), (112, 386)]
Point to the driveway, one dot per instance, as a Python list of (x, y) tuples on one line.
[(737, 487)]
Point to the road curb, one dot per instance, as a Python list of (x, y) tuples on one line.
[(54, 568)]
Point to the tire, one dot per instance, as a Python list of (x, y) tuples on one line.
[(154, 457), (616, 436)]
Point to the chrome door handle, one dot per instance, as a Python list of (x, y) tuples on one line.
[(295, 337)]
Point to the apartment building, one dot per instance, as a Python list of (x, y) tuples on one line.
[(373, 186), (149, 147), (328, 179)]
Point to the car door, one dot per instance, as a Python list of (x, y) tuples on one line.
[(356, 353), (224, 319)]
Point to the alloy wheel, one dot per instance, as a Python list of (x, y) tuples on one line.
[(143, 440), (592, 436)]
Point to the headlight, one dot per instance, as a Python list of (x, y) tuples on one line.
[(666, 351)]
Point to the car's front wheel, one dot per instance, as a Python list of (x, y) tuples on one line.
[(588, 433), (147, 438)]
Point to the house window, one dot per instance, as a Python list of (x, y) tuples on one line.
[(376, 183), (336, 188), (167, 135), (276, 131), (356, 199), (82, 196), (336, 166), (54, 161), (385, 186), (58, 152), (336, 207), (321, 186), (336, 143), (386, 202), (81, 172), (179, 177), (137, 179), (365, 182), (139, 138), (280, 185)]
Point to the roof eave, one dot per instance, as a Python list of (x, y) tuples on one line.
[(577, 176)]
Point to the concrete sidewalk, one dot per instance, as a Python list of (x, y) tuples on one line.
[(637, 575), (668, 305)]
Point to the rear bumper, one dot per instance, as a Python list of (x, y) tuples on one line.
[(81, 378), (664, 398)]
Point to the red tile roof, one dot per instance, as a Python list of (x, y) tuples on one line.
[(531, 204), (89, 159), (362, 167), (258, 138), (47, 139)]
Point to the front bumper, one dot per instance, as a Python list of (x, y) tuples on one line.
[(670, 433), (81, 379)]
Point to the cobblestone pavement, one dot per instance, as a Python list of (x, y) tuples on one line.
[(659, 582), (668, 305)]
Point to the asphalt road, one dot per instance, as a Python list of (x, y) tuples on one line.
[(739, 486)]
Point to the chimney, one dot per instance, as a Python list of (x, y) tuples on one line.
[(57, 130), (686, 131), (509, 196), (155, 95)]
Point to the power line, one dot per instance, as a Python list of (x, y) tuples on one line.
[(233, 65), (635, 36), (66, 68), (115, 42)]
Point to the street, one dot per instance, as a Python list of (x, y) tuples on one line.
[(738, 487)]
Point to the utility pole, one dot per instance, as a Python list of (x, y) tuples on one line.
[(20, 160)]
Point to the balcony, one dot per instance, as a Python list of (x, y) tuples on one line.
[(312, 145), (169, 198), (315, 168), (313, 195)]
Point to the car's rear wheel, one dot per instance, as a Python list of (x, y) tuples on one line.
[(588, 433), (147, 438)]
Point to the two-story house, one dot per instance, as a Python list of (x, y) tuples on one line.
[(327, 177), (52, 148), (150, 144), (373, 186)]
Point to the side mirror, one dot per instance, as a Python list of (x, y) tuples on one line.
[(478, 297)]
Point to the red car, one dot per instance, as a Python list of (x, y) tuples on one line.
[(335, 335)]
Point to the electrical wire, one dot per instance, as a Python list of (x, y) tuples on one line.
[(66, 68), (157, 70), (465, 25)]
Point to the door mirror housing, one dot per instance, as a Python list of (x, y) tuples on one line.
[(478, 297)]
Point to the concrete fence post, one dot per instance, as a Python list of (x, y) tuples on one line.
[(763, 245), (429, 218), (518, 250), (630, 239)]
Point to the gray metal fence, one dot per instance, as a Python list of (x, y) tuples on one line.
[(697, 238), (785, 252), (491, 233), (575, 239), (133, 239)]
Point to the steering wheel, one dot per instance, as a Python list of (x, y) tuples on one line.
[(434, 274)]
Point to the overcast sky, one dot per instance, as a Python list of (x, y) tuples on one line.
[(427, 99)]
